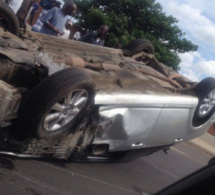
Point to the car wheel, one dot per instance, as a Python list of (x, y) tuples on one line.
[(54, 106), (139, 45), (205, 90), (8, 19)]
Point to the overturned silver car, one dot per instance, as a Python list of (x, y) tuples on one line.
[(71, 100)]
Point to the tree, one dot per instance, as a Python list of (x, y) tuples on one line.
[(131, 19)]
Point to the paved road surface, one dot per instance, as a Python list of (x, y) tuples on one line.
[(52, 177)]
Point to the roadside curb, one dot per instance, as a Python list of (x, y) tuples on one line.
[(206, 143)]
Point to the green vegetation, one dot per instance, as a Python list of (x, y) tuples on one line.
[(131, 19)]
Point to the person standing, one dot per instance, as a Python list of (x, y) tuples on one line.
[(55, 19), (23, 11), (38, 25), (96, 37)]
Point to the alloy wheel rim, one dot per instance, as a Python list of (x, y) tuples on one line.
[(207, 104), (65, 110)]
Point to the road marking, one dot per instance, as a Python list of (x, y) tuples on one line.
[(180, 152), (87, 177)]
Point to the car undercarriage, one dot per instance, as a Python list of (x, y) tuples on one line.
[(70, 100)]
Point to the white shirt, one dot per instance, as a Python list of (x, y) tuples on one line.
[(66, 33), (77, 35), (15, 5)]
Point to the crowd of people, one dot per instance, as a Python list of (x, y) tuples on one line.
[(56, 21)]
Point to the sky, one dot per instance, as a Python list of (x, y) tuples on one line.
[(197, 20)]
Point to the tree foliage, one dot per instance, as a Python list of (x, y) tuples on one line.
[(131, 19)]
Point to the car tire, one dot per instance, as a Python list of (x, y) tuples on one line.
[(8, 19), (139, 45), (54, 106), (205, 91)]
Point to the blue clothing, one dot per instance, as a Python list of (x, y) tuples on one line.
[(92, 37), (35, 7), (56, 18)]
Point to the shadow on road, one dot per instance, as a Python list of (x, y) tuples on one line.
[(7, 162)]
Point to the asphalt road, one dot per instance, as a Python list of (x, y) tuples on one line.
[(51, 177)]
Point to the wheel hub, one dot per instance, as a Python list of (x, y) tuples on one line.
[(66, 110)]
